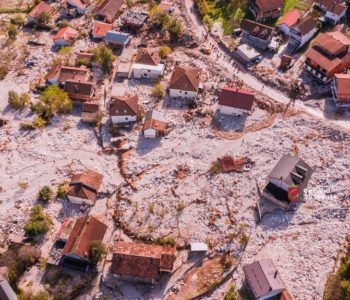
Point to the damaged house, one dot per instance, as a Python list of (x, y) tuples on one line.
[(65, 36), (235, 102), (287, 181), (185, 82), (265, 10), (334, 10), (264, 282), (147, 64), (124, 109), (38, 10), (328, 56), (341, 90), (141, 262), (76, 251), (79, 91), (133, 19), (154, 124), (91, 112), (100, 29), (108, 10), (83, 187), (60, 74), (257, 35), (115, 39)]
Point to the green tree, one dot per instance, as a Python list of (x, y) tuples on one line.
[(175, 29), (18, 20), (104, 56), (39, 223), (164, 52), (97, 251), (12, 32), (55, 100), (45, 194), (158, 17), (208, 21)]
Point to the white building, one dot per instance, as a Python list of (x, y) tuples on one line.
[(154, 125), (147, 64), (335, 13), (184, 82), (235, 102), (123, 109), (300, 34)]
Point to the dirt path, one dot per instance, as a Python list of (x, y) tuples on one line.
[(228, 63)]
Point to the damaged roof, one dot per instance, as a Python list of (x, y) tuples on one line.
[(80, 89), (85, 231), (64, 73), (260, 30), (68, 34), (185, 79), (109, 9), (142, 260), (40, 8), (155, 120)]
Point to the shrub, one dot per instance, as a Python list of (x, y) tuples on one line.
[(61, 191), (12, 32), (45, 194), (83, 62), (180, 206), (151, 208), (23, 184), (243, 240), (158, 91), (231, 293), (39, 123), (97, 251), (175, 29), (64, 23), (18, 101), (216, 168), (226, 262), (104, 56), (164, 52), (208, 21), (39, 223), (55, 100), (27, 126), (4, 69), (18, 20), (169, 241)]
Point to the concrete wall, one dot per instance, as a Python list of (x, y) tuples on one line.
[(150, 133), (232, 111), (80, 201), (146, 73), (182, 94), (123, 119)]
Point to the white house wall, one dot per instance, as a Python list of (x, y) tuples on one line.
[(307, 37), (146, 73), (182, 94), (279, 183), (123, 119), (150, 133), (232, 111), (80, 201)]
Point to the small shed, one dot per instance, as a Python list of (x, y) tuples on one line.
[(198, 247)]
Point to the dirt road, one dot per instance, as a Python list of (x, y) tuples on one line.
[(228, 65)]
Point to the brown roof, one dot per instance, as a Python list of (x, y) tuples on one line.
[(306, 25), (41, 7), (124, 106), (343, 86), (65, 73), (82, 192), (330, 44), (290, 18), (79, 89), (89, 178), (91, 107), (338, 8), (109, 9), (142, 260), (155, 120), (267, 5), (85, 231), (185, 79), (237, 98), (68, 34), (101, 28), (256, 29), (263, 277), (147, 57)]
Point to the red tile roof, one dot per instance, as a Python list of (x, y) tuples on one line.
[(267, 5), (306, 25), (237, 98), (99, 29), (142, 260), (185, 79), (64, 73), (68, 34), (41, 7), (79, 90), (124, 106), (155, 120), (290, 18), (147, 57), (85, 231)]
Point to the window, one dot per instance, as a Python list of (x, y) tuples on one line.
[(185, 93)]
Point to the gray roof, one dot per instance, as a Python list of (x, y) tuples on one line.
[(290, 168), (263, 277), (117, 37), (155, 115), (6, 292)]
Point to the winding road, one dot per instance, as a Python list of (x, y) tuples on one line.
[(227, 63)]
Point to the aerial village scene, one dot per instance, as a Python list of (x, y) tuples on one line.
[(175, 149)]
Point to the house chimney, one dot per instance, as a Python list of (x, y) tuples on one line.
[(296, 177)]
